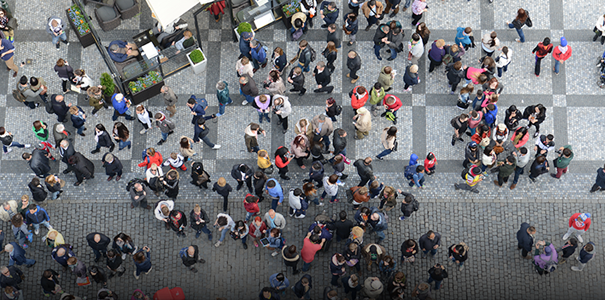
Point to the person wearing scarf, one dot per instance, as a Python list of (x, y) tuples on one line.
[(561, 54)]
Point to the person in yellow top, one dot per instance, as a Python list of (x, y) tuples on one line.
[(472, 178), (54, 238), (263, 161)]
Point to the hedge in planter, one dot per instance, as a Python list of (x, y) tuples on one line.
[(151, 78), (108, 83), (196, 56)]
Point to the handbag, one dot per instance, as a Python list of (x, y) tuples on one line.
[(347, 32), (269, 170), (82, 281), (233, 235), (62, 182), (395, 145), (498, 149)]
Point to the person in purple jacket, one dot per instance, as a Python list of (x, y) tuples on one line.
[(436, 54)]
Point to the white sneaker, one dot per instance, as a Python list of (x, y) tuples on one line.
[(149, 270), (300, 217), (27, 145), (216, 147), (124, 257), (566, 236), (36, 231), (275, 253), (218, 244), (244, 102), (8, 150), (320, 204), (143, 131), (135, 275), (96, 115), (580, 239)]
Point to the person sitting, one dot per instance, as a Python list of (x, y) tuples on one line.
[(185, 42), (120, 51)]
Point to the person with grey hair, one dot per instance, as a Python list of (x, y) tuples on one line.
[(8, 210), (121, 107), (113, 166), (169, 99), (222, 94), (258, 55), (248, 88), (322, 78), (139, 195), (16, 255), (323, 127), (10, 276), (66, 150)]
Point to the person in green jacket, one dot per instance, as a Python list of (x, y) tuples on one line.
[(222, 93), (562, 162), (376, 95), (505, 169)]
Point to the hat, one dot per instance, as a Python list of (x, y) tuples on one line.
[(501, 127), (584, 216), (563, 42), (547, 251), (475, 171), (472, 144), (247, 35)]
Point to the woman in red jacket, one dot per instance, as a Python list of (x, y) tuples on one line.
[(251, 206), (391, 104), (561, 54), (282, 159), (541, 50), (359, 97), (151, 157)]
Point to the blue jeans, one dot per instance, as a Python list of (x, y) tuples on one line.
[(98, 253), (223, 233), (262, 115), (13, 144), (306, 266), (61, 36), (557, 66), (274, 202), (45, 223), (304, 68), (28, 262), (519, 31), (377, 51), (249, 99), (323, 195), (502, 70), (421, 182), (221, 107), (372, 20), (433, 251), (206, 231), (407, 3), (460, 264), (518, 171), (249, 215), (164, 135), (255, 149), (80, 130), (473, 130), (437, 282), (326, 141), (122, 145), (384, 153), (393, 53), (55, 195), (127, 113), (207, 141)]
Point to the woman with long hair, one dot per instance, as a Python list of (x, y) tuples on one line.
[(520, 137), (330, 53), (503, 60), (282, 159), (121, 134), (301, 149), (521, 19), (186, 148), (311, 193), (535, 114), (240, 231), (538, 167), (388, 198), (388, 138), (142, 262), (103, 139), (424, 32), (490, 42), (53, 185), (274, 84), (511, 117), (488, 159), (123, 244), (279, 60), (489, 65)]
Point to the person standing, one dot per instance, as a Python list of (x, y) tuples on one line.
[(418, 9), (380, 38), (282, 108), (311, 244), (36, 216), (354, 65), (142, 262), (568, 249), (11, 276), (458, 253), (38, 162), (436, 54), (275, 192), (222, 188), (561, 53), (599, 30), (56, 28), (222, 94), (394, 4), (350, 27), (322, 78), (585, 256), (279, 282), (169, 99), (600, 181), (538, 167), (257, 55), (541, 50), (505, 169), (372, 10), (139, 194), (303, 56), (578, 224), (322, 126), (83, 168), (98, 242), (7, 52), (503, 60), (521, 19), (364, 170), (328, 12), (16, 255), (303, 287), (362, 123), (525, 239), (429, 242), (113, 166), (121, 107), (460, 125), (415, 48), (437, 274), (190, 256), (297, 79), (562, 162)]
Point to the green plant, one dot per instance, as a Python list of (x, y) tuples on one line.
[(144, 82), (107, 82), (196, 56), (244, 27), (78, 19)]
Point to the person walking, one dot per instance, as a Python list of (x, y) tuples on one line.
[(311, 244), (600, 181), (99, 243), (388, 138), (222, 188), (538, 167), (201, 133), (541, 50), (429, 242), (411, 77), (50, 283), (503, 60), (222, 94), (83, 168), (521, 160), (322, 78), (142, 261), (568, 249), (505, 169), (520, 20), (419, 7), (354, 65), (562, 162), (490, 43), (561, 53), (7, 52), (460, 125), (415, 48), (599, 30), (121, 107), (364, 170), (372, 10), (120, 135), (6, 138), (362, 123), (578, 224), (16, 255), (586, 254), (437, 273), (102, 139), (165, 125), (351, 26)]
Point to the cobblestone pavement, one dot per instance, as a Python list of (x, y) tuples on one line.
[(487, 221)]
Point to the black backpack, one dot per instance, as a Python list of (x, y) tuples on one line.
[(338, 110), (313, 54), (464, 172), (49, 107)]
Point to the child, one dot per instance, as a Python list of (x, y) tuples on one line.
[(316, 174), (251, 206), (222, 188), (263, 160), (175, 161), (430, 163), (479, 97), (473, 122), (375, 189), (568, 249)]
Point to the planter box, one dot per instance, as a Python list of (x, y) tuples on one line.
[(238, 36), (145, 94), (87, 39), (201, 66)]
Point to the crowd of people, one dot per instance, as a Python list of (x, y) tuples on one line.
[(495, 146)]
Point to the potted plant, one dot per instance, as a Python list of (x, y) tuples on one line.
[(77, 20), (109, 85), (146, 86), (198, 61), (243, 27)]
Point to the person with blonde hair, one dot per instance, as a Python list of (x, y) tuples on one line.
[(222, 188), (78, 119), (54, 239), (263, 160), (53, 185), (243, 66), (199, 220), (436, 53), (362, 123)]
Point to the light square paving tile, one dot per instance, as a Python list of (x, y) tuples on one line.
[(371, 67), (520, 78), (214, 35), (581, 14), (581, 72), (507, 11), (580, 124), (371, 145), (3, 100), (231, 133), (44, 57), (452, 14), (33, 15)]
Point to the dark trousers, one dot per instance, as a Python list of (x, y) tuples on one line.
[(353, 74), (98, 253), (225, 202), (537, 67), (502, 180), (111, 174), (363, 182), (416, 18), (64, 84), (523, 252), (518, 171), (334, 281), (95, 110), (327, 89), (248, 184), (433, 64), (283, 171), (355, 9), (389, 6), (537, 125), (283, 121)]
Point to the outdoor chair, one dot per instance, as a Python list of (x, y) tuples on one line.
[(128, 8)]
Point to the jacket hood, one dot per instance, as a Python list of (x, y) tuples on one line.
[(413, 159), (248, 131)]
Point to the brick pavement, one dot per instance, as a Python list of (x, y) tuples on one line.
[(487, 221)]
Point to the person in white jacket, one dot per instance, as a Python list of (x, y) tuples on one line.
[(599, 30), (503, 60), (330, 187), (282, 108), (226, 224), (162, 211), (415, 48), (295, 199), (10, 205)]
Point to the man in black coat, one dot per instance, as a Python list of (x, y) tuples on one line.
[(38, 162), (66, 150), (190, 258), (364, 170), (322, 77), (98, 242), (60, 108), (83, 167), (297, 79), (339, 142), (333, 35), (112, 166), (201, 133), (242, 173), (354, 64), (525, 239), (600, 181), (380, 38), (10, 276)]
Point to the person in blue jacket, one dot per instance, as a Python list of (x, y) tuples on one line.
[(244, 44), (463, 35), (78, 118), (120, 51), (328, 12), (258, 54), (16, 255), (197, 110), (379, 224), (35, 216), (279, 282), (275, 192), (489, 114), (121, 107), (586, 255)]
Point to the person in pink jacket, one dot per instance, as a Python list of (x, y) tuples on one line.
[(520, 137), (472, 75), (391, 104), (561, 54), (578, 224)]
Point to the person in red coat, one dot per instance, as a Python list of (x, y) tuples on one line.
[(391, 104), (251, 206), (282, 159), (359, 97), (216, 9), (561, 54), (578, 224), (152, 157)]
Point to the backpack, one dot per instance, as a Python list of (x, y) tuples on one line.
[(338, 110), (183, 252), (202, 102), (132, 182), (313, 53), (415, 205), (144, 154), (297, 34), (464, 172), (551, 266), (390, 116), (409, 172), (19, 96), (448, 58), (49, 107)]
